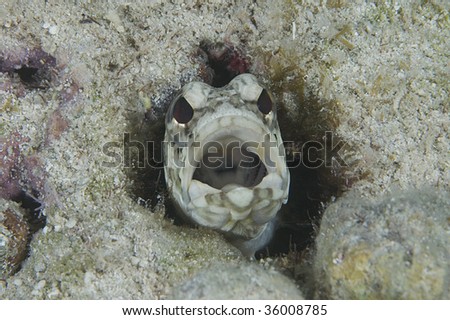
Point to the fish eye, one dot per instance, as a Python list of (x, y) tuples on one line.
[(264, 102), (182, 111)]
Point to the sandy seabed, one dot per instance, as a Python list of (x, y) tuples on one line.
[(379, 69)]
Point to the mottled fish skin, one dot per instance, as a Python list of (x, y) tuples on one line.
[(241, 202)]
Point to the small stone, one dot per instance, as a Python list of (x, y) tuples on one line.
[(135, 261), (53, 30), (54, 294), (40, 267), (71, 223), (40, 285), (89, 277), (115, 20)]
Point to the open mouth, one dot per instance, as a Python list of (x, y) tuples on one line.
[(229, 163)]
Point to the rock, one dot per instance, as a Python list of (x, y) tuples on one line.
[(231, 281), (394, 247)]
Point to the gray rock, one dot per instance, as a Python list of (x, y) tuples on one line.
[(231, 281), (394, 247)]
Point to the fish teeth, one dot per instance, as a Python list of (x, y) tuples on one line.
[(240, 197)]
